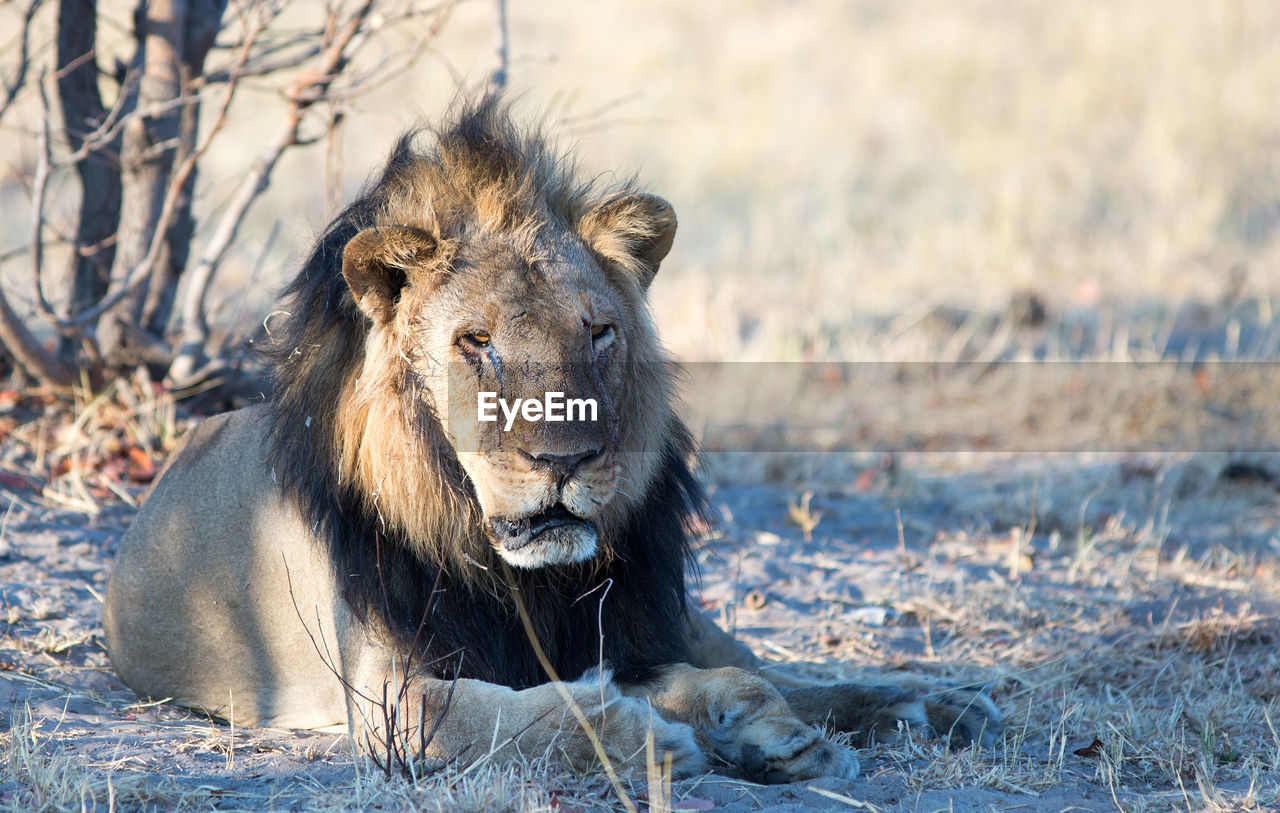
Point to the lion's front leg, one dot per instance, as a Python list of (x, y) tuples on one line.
[(873, 712), (467, 720), (742, 719), (870, 712)]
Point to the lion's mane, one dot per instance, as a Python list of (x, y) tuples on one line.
[(435, 582)]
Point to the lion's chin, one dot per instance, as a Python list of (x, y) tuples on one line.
[(552, 537)]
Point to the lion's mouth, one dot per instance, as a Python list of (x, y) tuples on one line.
[(520, 533)]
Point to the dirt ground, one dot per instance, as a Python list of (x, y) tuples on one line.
[(1123, 609)]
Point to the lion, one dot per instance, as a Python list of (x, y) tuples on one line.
[(362, 552)]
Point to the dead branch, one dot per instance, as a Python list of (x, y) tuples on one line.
[(93, 243), (44, 365), (333, 168), (121, 116), (145, 144), (141, 272), (14, 87), (174, 38), (29, 353), (262, 65), (146, 159), (39, 188), (388, 69), (394, 753), (200, 31), (309, 88)]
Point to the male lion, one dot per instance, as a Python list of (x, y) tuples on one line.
[(362, 551)]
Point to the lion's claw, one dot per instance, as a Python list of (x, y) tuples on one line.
[(678, 740), (782, 749), (966, 715)]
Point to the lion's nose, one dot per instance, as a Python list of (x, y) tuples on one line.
[(561, 466)]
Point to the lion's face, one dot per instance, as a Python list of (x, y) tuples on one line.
[(534, 332), (517, 329)]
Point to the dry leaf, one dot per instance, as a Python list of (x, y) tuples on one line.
[(141, 469), (865, 480), (10, 480)]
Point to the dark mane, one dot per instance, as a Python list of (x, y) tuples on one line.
[(458, 608)]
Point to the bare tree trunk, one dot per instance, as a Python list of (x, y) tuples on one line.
[(136, 156), (99, 172), (305, 91), (202, 22), (146, 164)]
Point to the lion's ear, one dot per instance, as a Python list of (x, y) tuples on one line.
[(633, 230), (378, 262)]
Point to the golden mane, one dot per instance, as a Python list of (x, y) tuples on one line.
[(354, 444), (480, 173)]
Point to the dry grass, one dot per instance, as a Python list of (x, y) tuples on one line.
[(40, 771), (95, 447), (1131, 666), (1107, 679), (38, 778)]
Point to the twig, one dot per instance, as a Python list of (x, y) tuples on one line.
[(840, 797), (11, 89), (333, 165), (142, 271), (14, 333), (262, 66), (309, 88), (564, 693), (39, 187), (116, 120)]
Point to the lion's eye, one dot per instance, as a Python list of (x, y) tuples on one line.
[(479, 338), (598, 332)]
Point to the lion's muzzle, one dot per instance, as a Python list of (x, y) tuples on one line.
[(553, 536)]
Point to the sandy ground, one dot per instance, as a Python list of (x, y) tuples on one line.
[(894, 547)]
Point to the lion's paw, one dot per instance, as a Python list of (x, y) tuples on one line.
[(782, 749), (964, 714), (752, 728), (628, 721), (620, 724)]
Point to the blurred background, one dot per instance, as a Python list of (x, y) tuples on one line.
[(835, 164), (862, 180)]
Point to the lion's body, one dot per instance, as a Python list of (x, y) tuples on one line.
[(222, 600), (201, 605), (364, 544)]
